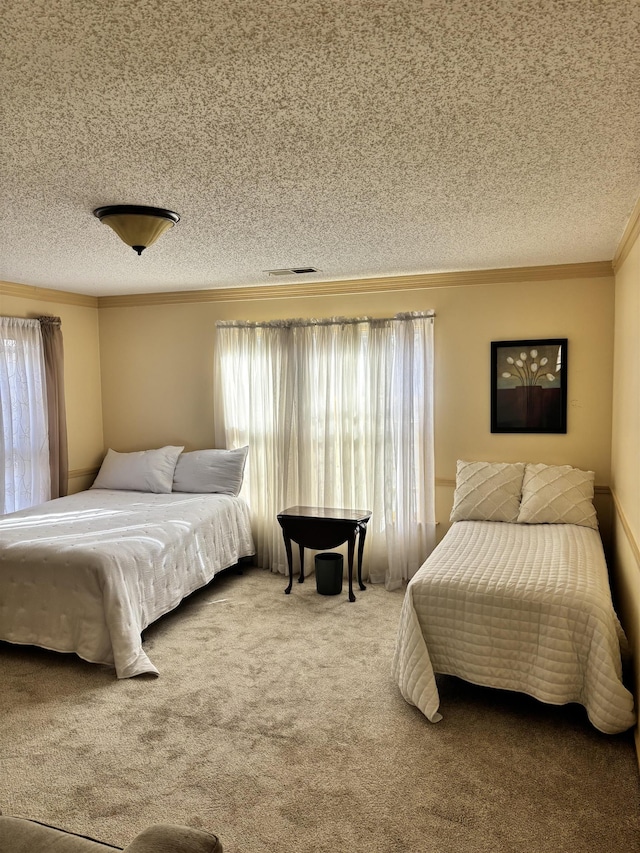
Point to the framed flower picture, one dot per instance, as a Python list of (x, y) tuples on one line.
[(529, 386)]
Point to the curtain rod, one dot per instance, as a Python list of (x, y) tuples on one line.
[(328, 321)]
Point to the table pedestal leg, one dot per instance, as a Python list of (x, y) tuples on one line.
[(301, 578), (287, 547), (352, 544), (362, 528)]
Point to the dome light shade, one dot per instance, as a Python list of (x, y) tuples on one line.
[(136, 225)]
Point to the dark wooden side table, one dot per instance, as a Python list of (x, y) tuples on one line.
[(320, 528)]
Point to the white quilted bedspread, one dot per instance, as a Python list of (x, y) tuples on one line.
[(87, 573), (518, 607)]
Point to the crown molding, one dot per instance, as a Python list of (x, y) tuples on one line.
[(629, 237), (44, 294), (595, 269), (384, 284)]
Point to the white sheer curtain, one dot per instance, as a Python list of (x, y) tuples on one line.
[(24, 441), (336, 413)]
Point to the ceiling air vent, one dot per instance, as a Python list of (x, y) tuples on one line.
[(292, 271)]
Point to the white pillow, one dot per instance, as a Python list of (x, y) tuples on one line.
[(205, 471), (487, 491), (557, 494), (140, 471)]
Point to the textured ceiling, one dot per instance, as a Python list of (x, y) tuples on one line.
[(363, 138)]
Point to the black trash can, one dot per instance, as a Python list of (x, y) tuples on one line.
[(329, 573)]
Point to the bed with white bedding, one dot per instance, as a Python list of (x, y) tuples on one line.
[(89, 572), (516, 606)]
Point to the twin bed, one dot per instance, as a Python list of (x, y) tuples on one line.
[(89, 572), (516, 596)]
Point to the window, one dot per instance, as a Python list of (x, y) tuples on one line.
[(336, 413), (24, 444)]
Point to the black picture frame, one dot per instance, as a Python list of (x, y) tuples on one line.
[(529, 386)]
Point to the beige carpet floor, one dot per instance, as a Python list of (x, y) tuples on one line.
[(275, 723)]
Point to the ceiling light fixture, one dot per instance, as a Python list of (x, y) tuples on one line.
[(136, 225)]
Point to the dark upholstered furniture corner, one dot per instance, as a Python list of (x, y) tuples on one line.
[(19, 835)]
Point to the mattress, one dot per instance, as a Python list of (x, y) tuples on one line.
[(88, 572), (517, 607)]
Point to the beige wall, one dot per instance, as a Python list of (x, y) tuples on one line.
[(625, 475), (150, 368), (81, 370), (158, 379)]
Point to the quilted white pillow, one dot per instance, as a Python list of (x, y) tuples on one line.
[(557, 494), (203, 471), (140, 471), (487, 491)]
